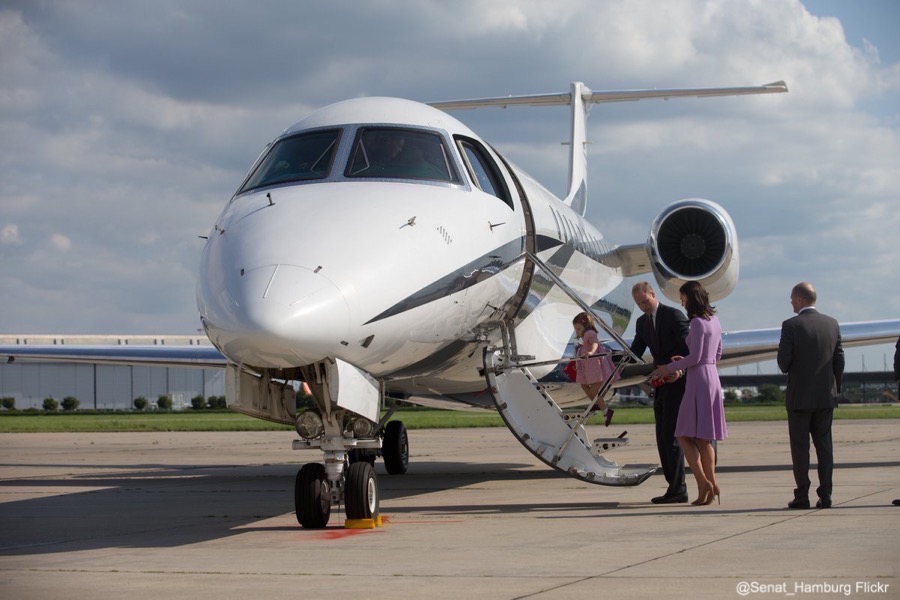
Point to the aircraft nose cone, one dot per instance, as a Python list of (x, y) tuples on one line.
[(287, 316)]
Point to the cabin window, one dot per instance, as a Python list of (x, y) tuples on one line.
[(483, 171), (299, 157), (393, 153)]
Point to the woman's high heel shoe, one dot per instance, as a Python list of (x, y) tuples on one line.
[(704, 497), (717, 494)]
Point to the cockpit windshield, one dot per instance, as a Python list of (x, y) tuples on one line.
[(394, 153), (297, 158)]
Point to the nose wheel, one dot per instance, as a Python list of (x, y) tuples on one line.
[(312, 496), (361, 492)]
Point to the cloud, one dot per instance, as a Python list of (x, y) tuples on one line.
[(128, 126), (10, 234), (60, 242)]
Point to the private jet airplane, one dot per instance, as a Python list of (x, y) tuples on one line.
[(379, 248)]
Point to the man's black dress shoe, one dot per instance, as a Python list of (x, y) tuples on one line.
[(897, 502), (823, 503), (681, 499), (799, 503)]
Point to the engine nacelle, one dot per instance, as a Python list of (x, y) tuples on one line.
[(694, 240)]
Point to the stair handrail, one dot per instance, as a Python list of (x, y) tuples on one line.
[(577, 299)]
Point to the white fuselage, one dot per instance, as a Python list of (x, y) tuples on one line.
[(404, 278)]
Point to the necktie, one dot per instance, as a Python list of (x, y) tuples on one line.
[(654, 343)]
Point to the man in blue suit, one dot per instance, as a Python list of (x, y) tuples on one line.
[(811, 354), (662, 330)]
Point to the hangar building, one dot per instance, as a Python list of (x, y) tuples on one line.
[(105, 387)]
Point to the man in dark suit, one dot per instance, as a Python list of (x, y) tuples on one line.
[(811, 354), (897, 367), (897, 377), (662, 329)]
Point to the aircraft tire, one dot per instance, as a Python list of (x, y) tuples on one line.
[(361, 497), (395, 448), (312, 499)]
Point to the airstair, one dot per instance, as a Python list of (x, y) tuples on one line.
[(557, 437)]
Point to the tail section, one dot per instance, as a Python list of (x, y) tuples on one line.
[(578, 97), (576, 197)]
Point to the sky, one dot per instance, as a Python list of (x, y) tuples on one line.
[(126, 126)]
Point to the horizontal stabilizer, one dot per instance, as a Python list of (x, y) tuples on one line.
[(565, 98)]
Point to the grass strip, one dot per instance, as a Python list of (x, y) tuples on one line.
[(414, 418)]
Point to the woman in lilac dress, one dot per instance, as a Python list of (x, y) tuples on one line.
[(701, 417)]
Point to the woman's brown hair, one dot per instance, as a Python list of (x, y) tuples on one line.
[(697, 300)]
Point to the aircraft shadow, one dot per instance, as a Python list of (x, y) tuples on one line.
[(156, 505), (788, 467), (159, 505)]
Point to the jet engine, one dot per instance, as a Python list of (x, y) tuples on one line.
[(694, 239)]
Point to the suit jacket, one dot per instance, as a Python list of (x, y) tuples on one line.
[(671, 330), (811, 354)]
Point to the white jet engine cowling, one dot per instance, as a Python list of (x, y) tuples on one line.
[(694, 240)]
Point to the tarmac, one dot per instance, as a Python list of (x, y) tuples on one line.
[(210, 515)]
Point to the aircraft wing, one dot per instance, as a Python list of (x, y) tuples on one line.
[(758, 345), (165, 356), (738, 348), (742, 347)]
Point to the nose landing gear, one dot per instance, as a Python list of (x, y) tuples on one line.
[(317, 487), (348, 475)]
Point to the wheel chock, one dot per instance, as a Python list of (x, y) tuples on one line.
[(379, 521)]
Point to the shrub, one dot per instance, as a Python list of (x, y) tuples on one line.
[(198, 402), (9, 403), (217, 402), (164, 402), (50, 404), (770, 393), (141, 403), (70, 403)]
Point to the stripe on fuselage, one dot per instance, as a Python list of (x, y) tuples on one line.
[(478, 270)]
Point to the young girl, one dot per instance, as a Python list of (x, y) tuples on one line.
[(592, 372)]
